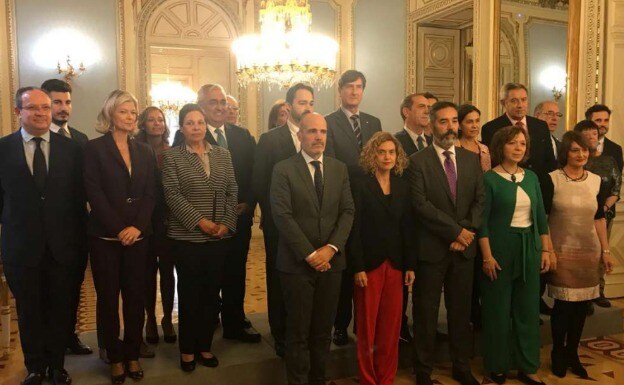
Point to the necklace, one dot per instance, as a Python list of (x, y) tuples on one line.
[(513, 176), (573, 179)]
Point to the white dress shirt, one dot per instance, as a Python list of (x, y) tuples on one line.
[(440, 152), (294, 129), (30, 146), (56, 128), (514, 121), (415, 137)]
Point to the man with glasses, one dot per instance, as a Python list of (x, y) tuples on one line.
[(548, 111), (232, 110)]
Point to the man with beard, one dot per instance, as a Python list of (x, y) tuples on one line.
[(60, 93), (274, 146), (447, 197)]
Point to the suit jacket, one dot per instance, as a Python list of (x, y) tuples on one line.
[(78, 136), (615, 150), (242, 147), (408, 144), (439, 219), (191, 195), (557, 146), (119, 199), (383, 227), (341, 141), (274, 146), (32, 221), (304, 225), (541, 158)]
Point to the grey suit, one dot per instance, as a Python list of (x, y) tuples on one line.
[(341, 141), (441, 220), (305, 225)]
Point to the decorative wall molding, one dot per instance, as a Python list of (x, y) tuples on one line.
[(121, 46), (432, 7), (9, 73)]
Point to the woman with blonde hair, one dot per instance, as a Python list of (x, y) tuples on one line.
[(120, 186), (381, 256)]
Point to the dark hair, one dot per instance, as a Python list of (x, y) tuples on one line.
[(292, 91), (504, 136), (585, 125), (20, 92), (190, 107), (349, 76), (429, 95), (56, 85), (566, 143), (408, 101), (142, 135), (464, 110), (274, 113), (596, 108), (504, 92), (437, 106)]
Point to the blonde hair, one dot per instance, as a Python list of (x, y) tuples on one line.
[(104, 123), (369, 153)]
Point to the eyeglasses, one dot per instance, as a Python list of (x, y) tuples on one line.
[(44, 108), (215, 102), (553, 113)]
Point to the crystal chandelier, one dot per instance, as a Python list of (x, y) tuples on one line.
[(171, 96), (285, 52)]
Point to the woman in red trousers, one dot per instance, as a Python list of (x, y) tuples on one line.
[(380, 256)]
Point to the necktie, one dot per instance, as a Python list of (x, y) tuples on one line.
[(520, 124), (355, 119), (451, 174), (39, 166), (62, 131), (420, 143), (318, 180), (221, 138)]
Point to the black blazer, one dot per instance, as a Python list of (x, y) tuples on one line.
[(613, 149), (439, 219), (557, 146), (32, 221), (408, 144), (274, 146), (383, 227), (78, 136), (541, 157), (341, 141), (118, 199)]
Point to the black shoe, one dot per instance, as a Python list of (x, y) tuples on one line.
[(498, 378), (169, 333), (423, 379), (340, 337), (247, 323), (526, 380), (590, 308), (465, 378), (33, 379), (558, 363), (244, 335), (575, 365), (77, 347), (187, 366), (151, 331), (59, 377), (135, 374), (602, 301), (211, 362), (544, 308), (405, 335), (118, 378), (280, 349)]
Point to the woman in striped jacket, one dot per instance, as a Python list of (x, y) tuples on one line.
[(201, 193)]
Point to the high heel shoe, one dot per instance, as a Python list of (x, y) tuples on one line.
[(498, 378), (528, 380), (211, 362), (575, 365), (151, 331), (187, 366), (135, 374), (169, 333), (118, 378)]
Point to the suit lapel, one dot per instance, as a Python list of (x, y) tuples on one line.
[(285, 139), (53, 160), (437, 169), (375, 188), (304, 173), (195, 163), (21, 156), (210, 139), (111, 147), (345, 126)]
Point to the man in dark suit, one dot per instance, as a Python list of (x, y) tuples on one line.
[(60, 93), (515, 100), (447, 197), (313, 210), (43, 218), (601, 114), (415, 115), (348, 129), (274, 146), (548, 111)]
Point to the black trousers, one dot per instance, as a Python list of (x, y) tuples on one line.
[(455, 274), (275, 298), (233, 287), (200, 270), (79, 272), (345, 302), (159, 259), (311, 302), (43, 300), (120, 269)]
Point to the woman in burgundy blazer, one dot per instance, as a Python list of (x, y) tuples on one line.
[(119, 180)]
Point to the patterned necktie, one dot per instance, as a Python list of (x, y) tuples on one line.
[(451, 174), (318, 180), (221, 138), (355, 119), (39, 166), (420, 143), (62, 131)]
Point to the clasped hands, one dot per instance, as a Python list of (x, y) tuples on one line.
[(361, 279), (464, 239), (212, 229), (319, 259), (129, 235)]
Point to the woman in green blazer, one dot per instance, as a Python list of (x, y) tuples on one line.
[(516, 248)]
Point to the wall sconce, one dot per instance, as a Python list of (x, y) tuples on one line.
[(554, 78), (70, 71)]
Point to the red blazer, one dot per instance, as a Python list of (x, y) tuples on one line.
[(119, 199)]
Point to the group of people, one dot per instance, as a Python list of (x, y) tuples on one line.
[(352, 217)]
